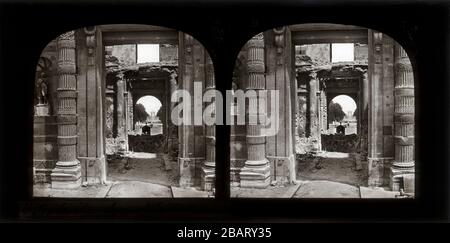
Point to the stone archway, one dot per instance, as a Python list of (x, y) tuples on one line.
[(350, 98)]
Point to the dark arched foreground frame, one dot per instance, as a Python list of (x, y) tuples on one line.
[(223, 29)]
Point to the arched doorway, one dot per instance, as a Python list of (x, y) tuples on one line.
[(147, 113), (342, 113)]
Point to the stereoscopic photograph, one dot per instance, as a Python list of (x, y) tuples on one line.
[(224, 112), (316, 111)]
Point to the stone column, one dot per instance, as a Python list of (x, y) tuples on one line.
[(314, 125), (363, 115), (375, 115), (67, 173), (403, 119), (173, 134), (256, 171), (324, 110), (208, 168), (120, 113)]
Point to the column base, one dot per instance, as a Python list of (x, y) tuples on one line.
[(122, 146), (397, 175), (255, 174), (208, 177), (66, 177)]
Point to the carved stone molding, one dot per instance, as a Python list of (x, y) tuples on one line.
[(279, 43)]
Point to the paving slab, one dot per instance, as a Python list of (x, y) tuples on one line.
[(179, 192), (140, 155), (269, 192), (376, 192), (93, 191), (326, 189), (138, 189)]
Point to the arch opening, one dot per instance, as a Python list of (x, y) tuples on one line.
[(147, 115)]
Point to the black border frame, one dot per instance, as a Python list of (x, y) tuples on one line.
[(223, 28)]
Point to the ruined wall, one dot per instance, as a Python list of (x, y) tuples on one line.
[(361, 52), (168, 52), (45, 128), (126, 54), (109, 110), (310, 57), (320, 53), (340, 143), (301, 121), (147, 143)]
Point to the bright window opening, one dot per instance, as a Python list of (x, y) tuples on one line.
[(147, 53), (342, 52)]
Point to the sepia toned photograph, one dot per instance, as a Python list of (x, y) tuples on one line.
[(316, 111), (102, 124), (345, 120), (209, 115)]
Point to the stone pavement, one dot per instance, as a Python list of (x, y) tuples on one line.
[(139, 189), (144, 167), (332, 166), (313, 189), (121, 189)]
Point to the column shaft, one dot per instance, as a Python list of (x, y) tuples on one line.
[(256, 172), (67, 173), (403, 118), (120, 113), (314, 118), (120, 98), (208, 169)]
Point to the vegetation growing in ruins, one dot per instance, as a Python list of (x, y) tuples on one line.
[(335, 112), (140, 113)]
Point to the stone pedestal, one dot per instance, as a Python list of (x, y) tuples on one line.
[(45, 147), (255, 174)]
